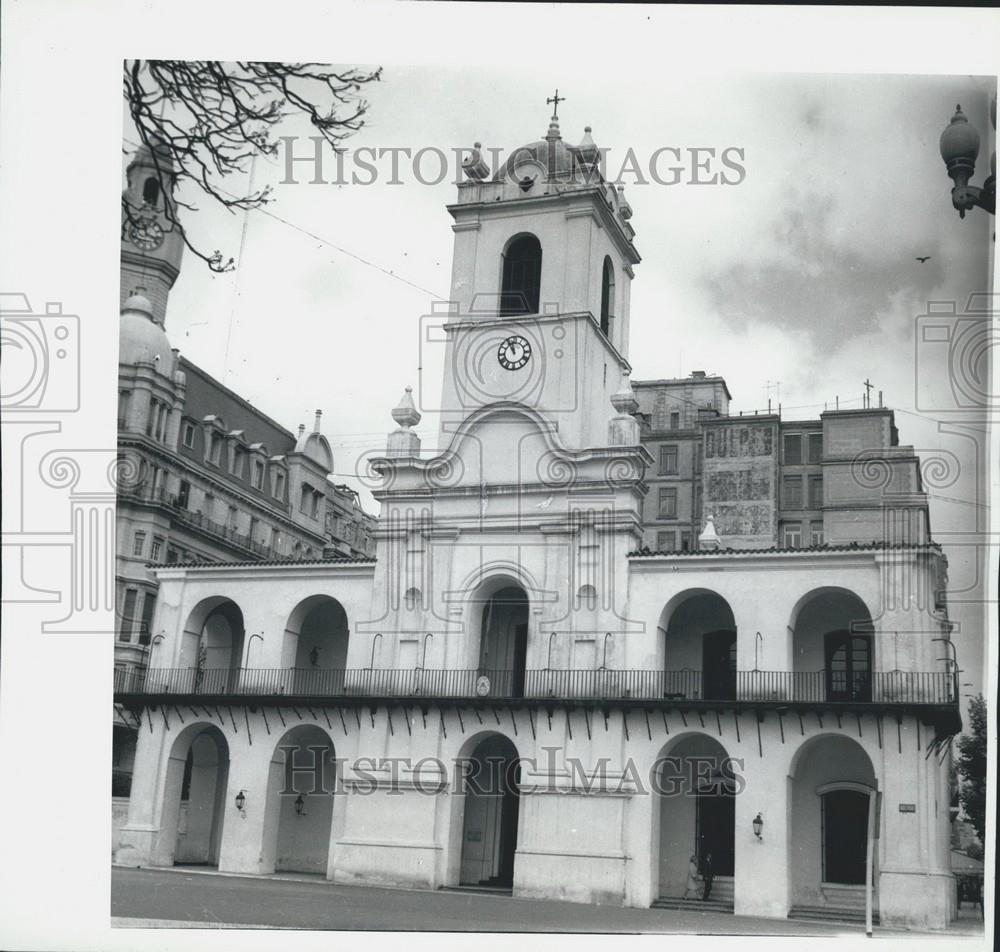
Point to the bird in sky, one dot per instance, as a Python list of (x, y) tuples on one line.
[(924, 258)]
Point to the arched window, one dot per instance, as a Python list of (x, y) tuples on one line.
[(522, 276), (151, 191), (607, 295)]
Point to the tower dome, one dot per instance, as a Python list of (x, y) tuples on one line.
[(140, 338)]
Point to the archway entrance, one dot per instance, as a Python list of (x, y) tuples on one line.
[(194, 798), (697, 816), (300, 794), (503, 644), (832, 647), (490, 818), (316, 640), (699, 646), (832, 779), (212, 652)]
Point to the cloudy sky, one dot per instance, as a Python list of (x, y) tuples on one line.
[(799, 283)]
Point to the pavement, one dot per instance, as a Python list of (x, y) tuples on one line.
[(185, 897)]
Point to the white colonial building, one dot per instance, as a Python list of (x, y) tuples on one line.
[(780, 706)]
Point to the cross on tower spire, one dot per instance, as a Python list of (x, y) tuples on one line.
[(555, 100)]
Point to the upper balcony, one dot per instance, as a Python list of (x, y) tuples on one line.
[(932, 694)]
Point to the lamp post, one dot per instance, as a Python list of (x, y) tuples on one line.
[(959, 149)]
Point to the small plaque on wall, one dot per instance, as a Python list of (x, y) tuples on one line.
[(474, 836), (907, 808)]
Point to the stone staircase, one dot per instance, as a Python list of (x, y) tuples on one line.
[(843, 904), (720, 899)]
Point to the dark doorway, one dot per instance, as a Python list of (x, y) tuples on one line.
[(845, 836), (503, 646), (716, 826), (522, 277), (492, 806), (848, 667), (719, 665)]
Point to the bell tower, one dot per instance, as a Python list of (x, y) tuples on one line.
[(539, 305), (151, 244)]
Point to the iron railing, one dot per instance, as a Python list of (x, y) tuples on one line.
[(880, 687)]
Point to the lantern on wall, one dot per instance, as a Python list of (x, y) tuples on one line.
[(241, 801), (758, 825)]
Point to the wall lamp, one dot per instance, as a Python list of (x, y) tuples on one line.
[(758, 825), (300, 806), (241, 802), (959, 149)]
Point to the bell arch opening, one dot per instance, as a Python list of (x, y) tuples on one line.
[(521, 279)]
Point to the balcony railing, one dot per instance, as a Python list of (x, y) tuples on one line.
[(770, 687)]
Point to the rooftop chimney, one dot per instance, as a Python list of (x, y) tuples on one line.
[(302, 429), (319, 413)]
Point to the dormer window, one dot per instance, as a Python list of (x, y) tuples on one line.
[(522, 277)]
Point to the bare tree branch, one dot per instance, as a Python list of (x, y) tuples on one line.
[(203, 121)]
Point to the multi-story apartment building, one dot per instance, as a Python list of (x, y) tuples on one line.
[(768, 482), (204, 476)]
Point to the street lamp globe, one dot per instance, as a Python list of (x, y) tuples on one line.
[(959, 148)]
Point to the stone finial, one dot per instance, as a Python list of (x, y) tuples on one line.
[(624, 400), (474, 167), (587, 149), (709, 538), (404, 442), (405, 412), (623, 429)]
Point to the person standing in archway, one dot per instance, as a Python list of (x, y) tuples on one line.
[(693, 890), (707, 874)]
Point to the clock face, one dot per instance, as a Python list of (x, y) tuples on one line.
[(514, 353), (147, 235)]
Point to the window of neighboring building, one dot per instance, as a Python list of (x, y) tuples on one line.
[(668, 459), (123, 397), (279, 486), (188, 435), (522, 276), (304, 496), (668, 502), (258, 474), (675, 421), (172, 556), (156, 549), (239, 456), (128, 614), (815, 533), (208, 506), (665, 541), (792, 535), (138, 543), (815, 447), (154, 408), (215, 448), (792, 492), (275, 539), (148, 605), (233, 517), (316, 500), (685, 542), (793, 449), (183, 494), (815, 492)]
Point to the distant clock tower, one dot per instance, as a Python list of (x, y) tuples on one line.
[(151, 245)]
